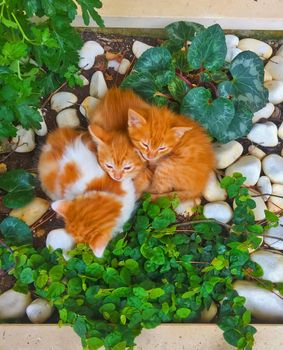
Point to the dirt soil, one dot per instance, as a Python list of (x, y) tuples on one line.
[(117, 44)]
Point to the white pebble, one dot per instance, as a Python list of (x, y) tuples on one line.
[(139, 48), (88, 104), (68, 118), (62, 100), (231, 40), (262, 49), (213, 191), (248, 166), (272, 166), (84, 79), (207, 315), (98, 87), (124, 66), (264, 186), (24, 140), (220, 211), (275, 91), (255, 151), (263, 113), (259, 210), (263, 304), (275, 67), (227, 153), (264, 134), (186, 208), (275, 204), (59, 238), (113, 64), (280, 131), (271, 263), (42, 131), (267, 75), (274, 236), (232, 52), (39, 311), (13, 304), (88, 52), (280, 51)]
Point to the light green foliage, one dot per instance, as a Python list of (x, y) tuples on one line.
[(35, 58), (150, 274), (196, 81)]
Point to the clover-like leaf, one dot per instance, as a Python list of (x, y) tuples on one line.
[(180, 32), (214, 115), (246, 87), (208, 49)]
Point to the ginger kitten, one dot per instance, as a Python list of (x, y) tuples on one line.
[(93, 205), (177, 148)]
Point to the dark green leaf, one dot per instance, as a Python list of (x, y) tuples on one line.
[(180, 32), (15, 231)]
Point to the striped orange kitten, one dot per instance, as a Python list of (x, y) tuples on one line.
[(94, 206), (176, 149)]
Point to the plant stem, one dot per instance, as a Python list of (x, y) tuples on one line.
[(204, 221), (182, 77)]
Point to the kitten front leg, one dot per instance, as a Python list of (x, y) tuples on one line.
[(142, 181), (99, 243)]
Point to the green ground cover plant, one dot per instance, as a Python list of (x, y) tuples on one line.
[(195, 80), (158, 270), (37, 55)]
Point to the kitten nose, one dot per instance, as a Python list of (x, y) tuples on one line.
[(151, 155), (117, 176)]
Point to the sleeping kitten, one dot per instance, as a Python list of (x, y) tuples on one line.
[(177, 148), (94, 206)]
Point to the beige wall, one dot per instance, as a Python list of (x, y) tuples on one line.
[(165, 337), (230, 14)]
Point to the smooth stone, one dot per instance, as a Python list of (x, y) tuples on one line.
[(98, 87), (139, 48), (124, 66), (88, 52), (264, 186), (271, 263), (39, 311), (275, 204), (231, 40), (68, 117), (60, 239), (13, 304), (88, 103), (275, 67), (272, 166), (264, 113), (267, 76), (280, 51), (84, 79), (248, 166), (263, 304), (207, 315), (113, 64), (264, 134), (62, 100), (227, 153), (257, 152), (275, 91), (42, 131), (187, 208), (31, 212), (220, 211), (277, 232), (259, 210), (280, 131), (25, 140), (232, 52), (257, 46), (213, 191)]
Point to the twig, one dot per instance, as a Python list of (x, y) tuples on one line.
[(267, 194), (11, 152), (42, 220), (204, 221), (53, 93), (3, 244), (262, 283)]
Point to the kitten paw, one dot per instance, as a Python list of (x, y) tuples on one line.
[(98, 252), (187, 208)]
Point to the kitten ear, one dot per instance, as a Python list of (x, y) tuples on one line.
[(98, 134), (179, 131), (61, 206), (135, 119)]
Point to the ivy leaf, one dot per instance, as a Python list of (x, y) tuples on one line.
[(183, 312), (94, 343), (232, 336), (20, 186), (154, 60), (208, 49), (15, 231), (246, 87), (214, 115), (180, 32)]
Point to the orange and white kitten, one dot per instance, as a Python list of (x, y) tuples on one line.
[(94, 206), (177, 148), (108, 127)]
